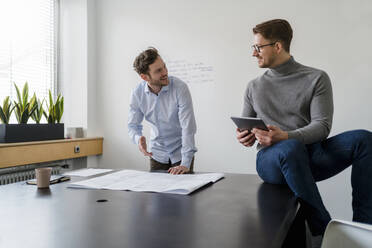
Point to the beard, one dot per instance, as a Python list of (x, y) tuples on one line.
[(164, 81), (266, 63)]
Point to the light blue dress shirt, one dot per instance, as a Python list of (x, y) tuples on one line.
[(172, 120)]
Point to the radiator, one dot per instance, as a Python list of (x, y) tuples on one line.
[(23, 174)]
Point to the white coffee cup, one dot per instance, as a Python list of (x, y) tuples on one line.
[(43, 177)]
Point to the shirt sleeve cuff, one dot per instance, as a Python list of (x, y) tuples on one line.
[(186, 162), (136, 138)]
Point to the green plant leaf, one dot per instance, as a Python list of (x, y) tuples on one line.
[(45, 115), (25, 95), (18, 112), (24, 115), (18, 94), (50, 99), (54, 110), (31, 111), (6, 110), (32, 103), (61, 109), (6, 104), (38, 114), (51, 115), (3, 116), (57, 112), (34, 116)]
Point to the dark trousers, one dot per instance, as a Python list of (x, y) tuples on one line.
[(301, 166), (157, 166)]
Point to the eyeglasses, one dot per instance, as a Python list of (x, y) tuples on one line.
[(257, 48)]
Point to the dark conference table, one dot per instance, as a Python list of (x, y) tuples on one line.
[(237, 211)]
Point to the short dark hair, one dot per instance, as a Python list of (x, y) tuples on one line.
[(276, 30), (144, 60)]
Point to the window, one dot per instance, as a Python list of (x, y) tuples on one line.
[(27, 47)]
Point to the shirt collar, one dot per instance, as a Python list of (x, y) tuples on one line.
[(147, 89), (163, 89)]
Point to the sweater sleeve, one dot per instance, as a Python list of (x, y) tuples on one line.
[(248, 110), (321, 113)]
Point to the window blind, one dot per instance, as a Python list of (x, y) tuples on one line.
[(27, 47)]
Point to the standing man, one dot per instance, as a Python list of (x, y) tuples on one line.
[(165, 102), (297, 101)]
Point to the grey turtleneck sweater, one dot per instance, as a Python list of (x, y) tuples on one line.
[(294, 97)]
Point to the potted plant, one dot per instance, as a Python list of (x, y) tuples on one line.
[(24, 109), (6, 110), (39, 111), (55, 109)]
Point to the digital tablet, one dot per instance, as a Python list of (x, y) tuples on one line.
[(247, 123)]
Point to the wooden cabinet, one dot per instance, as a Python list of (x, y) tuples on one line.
[(13, 154)]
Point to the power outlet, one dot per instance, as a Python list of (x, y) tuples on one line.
[(77, 149)]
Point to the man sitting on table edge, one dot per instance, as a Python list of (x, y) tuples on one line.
[(297, 101)]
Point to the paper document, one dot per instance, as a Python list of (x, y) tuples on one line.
[(149, 182), (86, 172)]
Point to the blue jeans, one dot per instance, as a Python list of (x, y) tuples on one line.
[(300, 166)]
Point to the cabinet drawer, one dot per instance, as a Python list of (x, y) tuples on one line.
[(13, 154)]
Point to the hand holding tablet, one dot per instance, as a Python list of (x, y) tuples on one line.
[(248, 123)]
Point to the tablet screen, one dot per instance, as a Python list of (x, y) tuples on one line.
[(247, 123)]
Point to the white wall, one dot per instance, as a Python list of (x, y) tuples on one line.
[(333, 36), (77, 67), (73, 61)]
